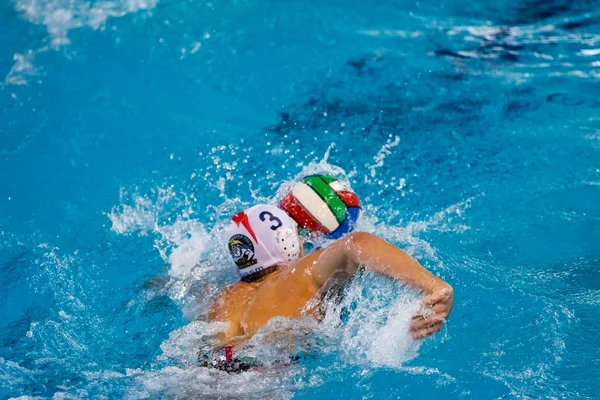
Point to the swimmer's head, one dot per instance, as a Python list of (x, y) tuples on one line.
[(261, 238)]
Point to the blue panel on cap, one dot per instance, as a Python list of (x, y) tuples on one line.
[(348, 224)]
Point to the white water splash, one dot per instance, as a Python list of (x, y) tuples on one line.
[(143, 216), (182, 377), (320, 167), (61, 16), (22, 69), (382, 154), (182, 245), (199, 263), (14, 375), (202, 383), (195, 335), (182, 240), (378, 315)]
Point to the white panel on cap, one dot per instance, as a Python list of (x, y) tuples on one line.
[(338, 186), (315, 205)]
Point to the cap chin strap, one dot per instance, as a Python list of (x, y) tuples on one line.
[(258, 275)]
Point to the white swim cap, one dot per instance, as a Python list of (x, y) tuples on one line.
[(262, 237)]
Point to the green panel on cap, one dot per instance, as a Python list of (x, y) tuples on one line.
[(328, 178), (325, 191)]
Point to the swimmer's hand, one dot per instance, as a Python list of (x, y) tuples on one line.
[(435, 308)]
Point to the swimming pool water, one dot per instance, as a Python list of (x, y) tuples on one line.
[(130, 130)]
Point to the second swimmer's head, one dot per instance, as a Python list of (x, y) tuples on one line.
[(260, 238)]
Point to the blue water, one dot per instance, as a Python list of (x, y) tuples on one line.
[(131, 130)]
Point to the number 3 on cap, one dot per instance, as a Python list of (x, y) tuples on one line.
[(276, 221)]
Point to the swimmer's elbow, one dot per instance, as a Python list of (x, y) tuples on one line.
[(354, 246), (357, 242), (359, 237)]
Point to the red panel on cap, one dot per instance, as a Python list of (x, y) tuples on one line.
[(349, 198), (242, 218), (300, 215)]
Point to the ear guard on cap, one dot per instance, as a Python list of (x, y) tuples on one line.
[(287, 244)]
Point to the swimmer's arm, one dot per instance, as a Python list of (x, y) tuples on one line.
[(363, 249)]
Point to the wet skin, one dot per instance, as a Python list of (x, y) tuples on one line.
[(288, 290)]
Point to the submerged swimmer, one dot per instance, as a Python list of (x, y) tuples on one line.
[(278, 280)]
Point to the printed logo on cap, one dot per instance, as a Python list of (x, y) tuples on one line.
[(242, 251)]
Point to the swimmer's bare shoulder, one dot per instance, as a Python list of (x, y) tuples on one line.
[(246, 307), (223, 309)]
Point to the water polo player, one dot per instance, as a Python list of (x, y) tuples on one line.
[(277, 280)]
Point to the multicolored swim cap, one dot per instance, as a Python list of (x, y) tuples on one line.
[(262, 237)]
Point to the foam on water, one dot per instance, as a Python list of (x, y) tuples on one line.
[(58, 349), (194, 253), (377, 314), (60, 17), (180, 243), (58, 334), (211, 384), (373, 334), (21, 70)]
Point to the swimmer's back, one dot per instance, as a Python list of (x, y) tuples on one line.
[(246, 307)]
